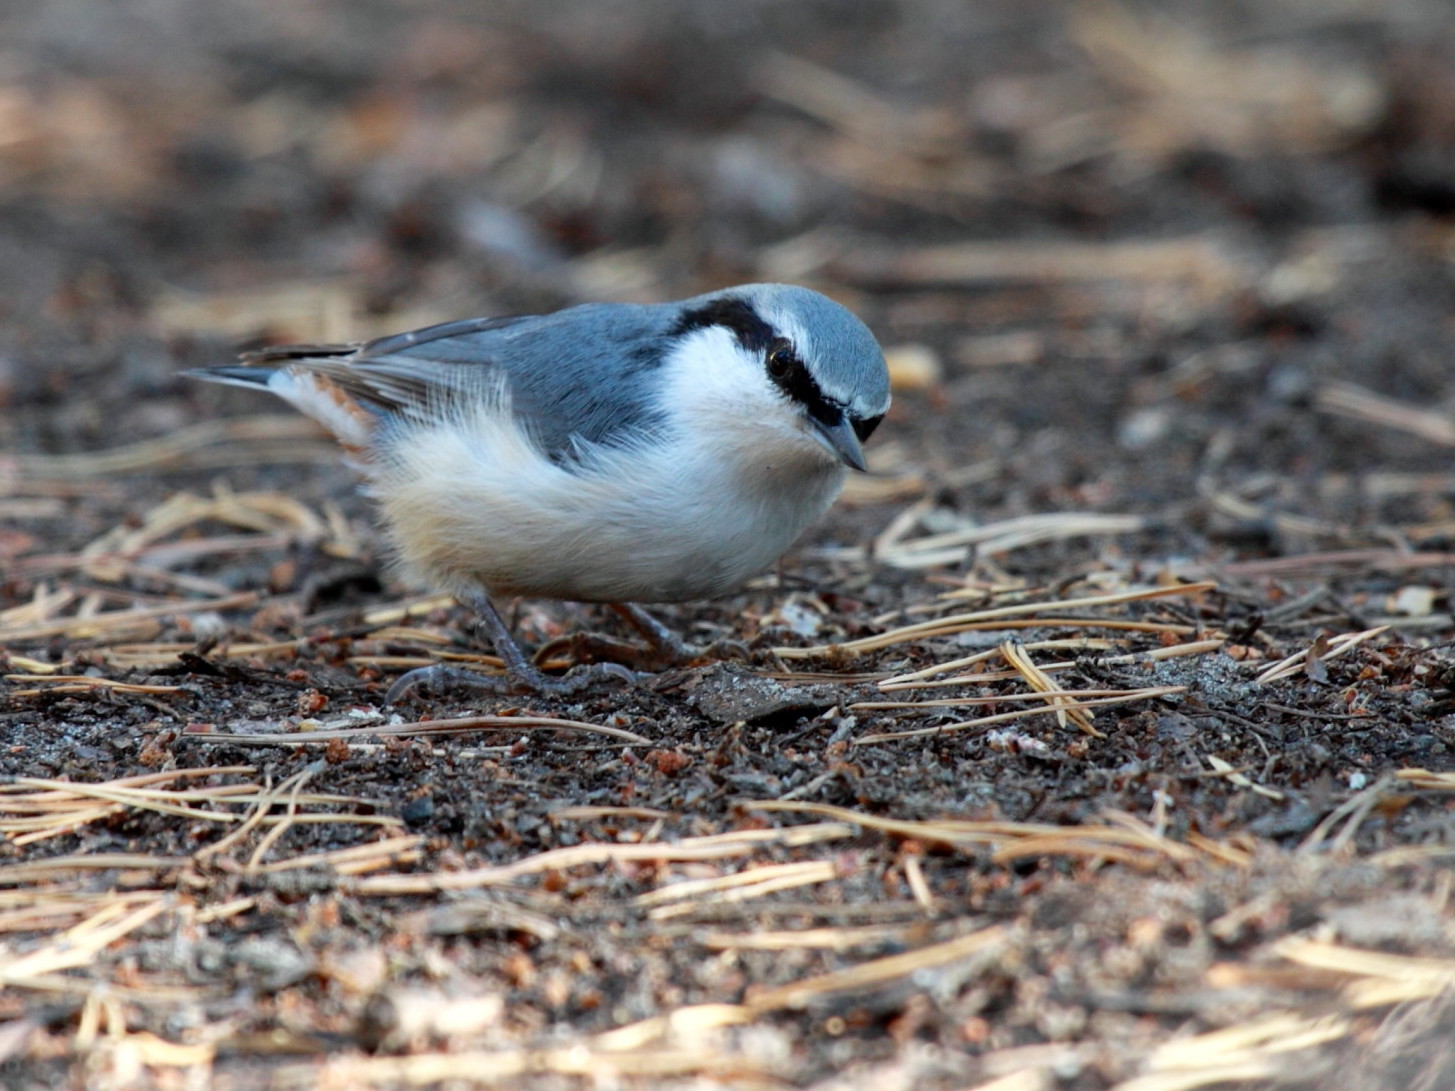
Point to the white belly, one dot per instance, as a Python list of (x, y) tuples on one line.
[(478, 506)]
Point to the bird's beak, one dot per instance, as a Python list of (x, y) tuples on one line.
[(840, 439)]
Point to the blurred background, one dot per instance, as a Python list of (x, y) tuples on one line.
[(1125, 255)]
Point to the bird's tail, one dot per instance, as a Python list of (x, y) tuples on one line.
[(311, 392), (252, 377)]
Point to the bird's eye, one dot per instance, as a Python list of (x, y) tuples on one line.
[(865, 428), (780, 360)]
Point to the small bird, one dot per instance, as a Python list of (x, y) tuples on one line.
[(609, 452)]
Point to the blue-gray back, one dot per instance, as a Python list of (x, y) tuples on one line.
[(584, 373)]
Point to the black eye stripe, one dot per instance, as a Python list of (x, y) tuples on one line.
[(757, 336), (795, 381), (735, 315)]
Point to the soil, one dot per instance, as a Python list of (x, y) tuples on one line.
[(1166, 295)]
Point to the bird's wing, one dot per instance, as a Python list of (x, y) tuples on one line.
[(580, 375), (394, 374)]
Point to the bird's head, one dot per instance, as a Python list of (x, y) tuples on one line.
[(786, 356)]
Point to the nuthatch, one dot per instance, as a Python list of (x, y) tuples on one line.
[(610, 452)]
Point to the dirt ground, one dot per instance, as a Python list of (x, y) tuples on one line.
[(1101, 738)]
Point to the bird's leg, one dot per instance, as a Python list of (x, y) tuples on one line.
[(669, 646), (521, 675)]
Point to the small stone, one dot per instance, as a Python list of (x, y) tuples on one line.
[(913, 367), (417, 811), (1413, 601)]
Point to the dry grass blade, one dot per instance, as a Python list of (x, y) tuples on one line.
[(1230, 503), (947, 831), (511, 1065), (265, 432), (712, 847), (80, 944), (45, 603), (139, 656), (1149, 693), (924, 679), (145, 1048), (355, 860), (1337, 646), (28, 815), (263, 804), (85, 628), (878, 972), (420, 727), (81, 683), (32, 666), (1224, 769), (689, 1021), (1305, 565), (154, 563), (1019, 615), (1125, 839), (1119, 598), (923, 676), (919, 887), (1349, 400), (793, 837), (1027, 1079), (157, 655), (953, 626), (288, 520), (995, 698), (1038, 680), (1244, 1052), (87, 989), (179, 802), (1186, 87), (738, 887), (1426, 780), (48, 808), (829, 939), (587, 811), (223, 910), (48, 906), (693, 1021), (1222, 853), (56, 866), (293, 787), (950, 547), (1380, 978), (415, 607)]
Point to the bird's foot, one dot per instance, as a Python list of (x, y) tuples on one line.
[(669, 648), (679, 653), (440, 678), (664, 648)]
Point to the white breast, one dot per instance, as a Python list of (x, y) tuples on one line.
[(471, 502)]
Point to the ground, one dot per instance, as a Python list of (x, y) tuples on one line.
[(1100, 738)]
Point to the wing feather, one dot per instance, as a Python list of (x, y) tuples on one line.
[(579, 376)]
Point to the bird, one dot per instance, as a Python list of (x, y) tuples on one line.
[(617, 453)]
